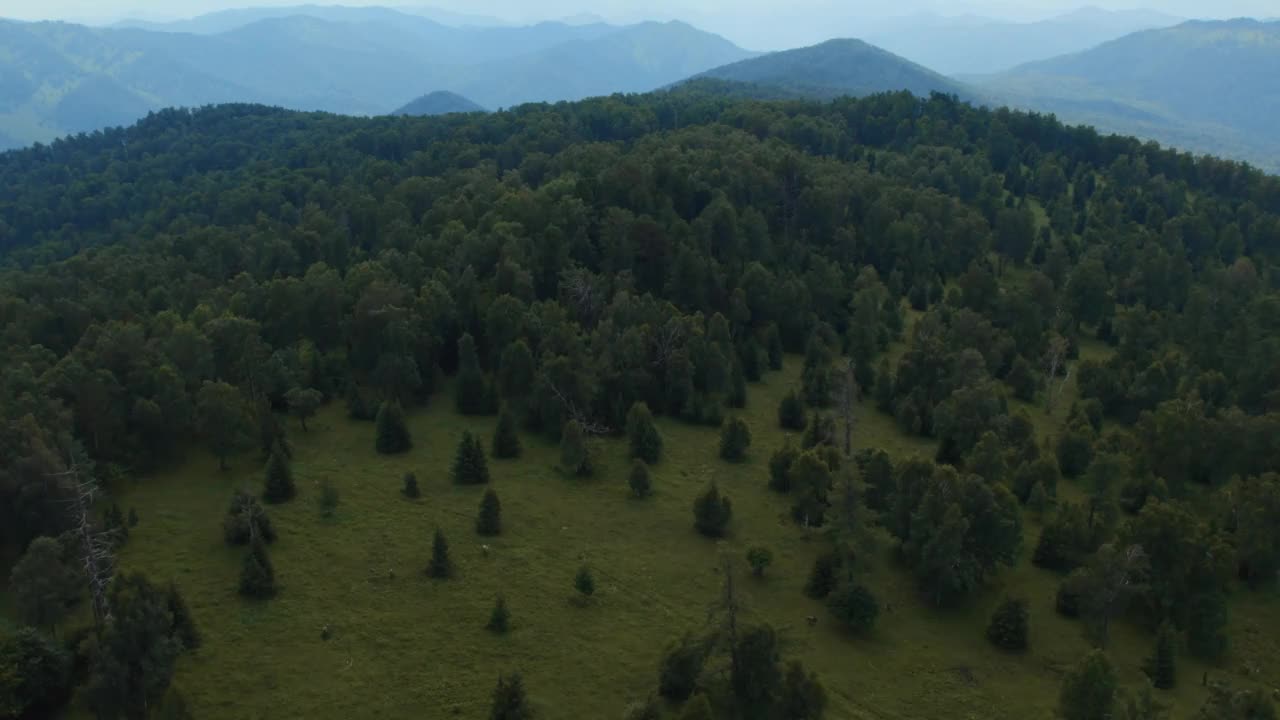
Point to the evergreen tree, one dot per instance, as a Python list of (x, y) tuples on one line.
[(1038, 501), (642, 434), (410, 486), (184, 625), (575, 455), (358, 406), (737, 397), (1008, 629), (822, 576), (35, 674), (470, 467), (735, 438), (279, 485), (1023, 379), (811, 482), (489, 521), (1089, 689), (500, 618), (821, 430), (638, 480), (773, 347), (884, 391), (1207, 625), (780, 468), (329, 498), (257, 575), (472, 392), (803, 697), (680, 668), (791, 411), (711, 512), (584, 582), (134, 655), (45, 584), (506, 440), (854, 606), (759, 558), (245, 520), (509, 699), (1162, 666), (440, 566), (392, 432)]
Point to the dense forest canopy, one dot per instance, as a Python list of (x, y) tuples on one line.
[(180, 280)]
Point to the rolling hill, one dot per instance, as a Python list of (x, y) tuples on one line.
[(60, 78), (440, 102), (1204, 86), (834, 68)]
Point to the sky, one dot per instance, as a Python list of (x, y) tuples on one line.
[(760, 24)]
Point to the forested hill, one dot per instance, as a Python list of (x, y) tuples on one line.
[(439, 103), (167, 287)]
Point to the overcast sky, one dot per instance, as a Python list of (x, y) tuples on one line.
[(755, 23)]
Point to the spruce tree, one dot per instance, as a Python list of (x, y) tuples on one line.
[(245, 520), (711, 512), (639, 479), (470, 467), (472, 396), (500, 618), (489, 521), (410, 486), (822, 577), (506, 439), (184, 625), (257, 576), (584, 582), (1008, 629), (1162, 665), (735, 438), (854, 606), (509, 699), (279, 485), (737, 397), (575, 455), (646, 443), (440, 566), (392, 433), (1089, 689), (780, 468), (791, 411)]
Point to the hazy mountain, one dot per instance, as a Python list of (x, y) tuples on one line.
[(974, 45), (440, 102), (224, 20), (1205, 86), (837, 67), (57, 78)]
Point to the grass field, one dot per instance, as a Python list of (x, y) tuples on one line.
[(404, 646)]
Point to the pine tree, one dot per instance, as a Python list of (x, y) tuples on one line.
[(1089, 689), (392, 433), (500, 618), (410, 488), (506, 439), (639, 479), (440, 566), (245, 520), (279, 485), (822, 577), (509, 699), (584, 582), (642, 434), (489, 521), (257, 575), (1008, 629), (470, 467), (184, 625), (472, 396), (854, 606), (575, 456), (791, 411), (1162, 665), (711, 512), (735, 438), (780, 468)]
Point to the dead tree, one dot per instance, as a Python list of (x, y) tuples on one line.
[(845, 397), (1054, 360), (96, 545)]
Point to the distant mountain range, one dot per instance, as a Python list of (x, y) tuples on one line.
[(976, 45), (1205, 86), (440, 102), (224, 20)]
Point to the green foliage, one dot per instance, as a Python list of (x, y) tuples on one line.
[(257, 574), (328, 499), (791, 411), (134, 659), (1023, 379), (759, 558), (409, 486), (803, 697), (392, 434), (1162, 666), (1207, 625), (303, 403), (45, 584), (1042, 471), (1224, 703), (711, 513), (638, 480), (1255, 508), (489, 520), (584, 582), (1075, 451), (184, 625), (500, 617), (470, 467), (821, 430), (509, 699), (822, 576), (1065, 540), (440, 566), (246, 520), (506, 438), (516, 371), (854, 606), (575, 453), (1089, 689), (35, 675), (642, 434), (680, 668), (278, 486), (810, 478), (698, 708), (472, 393), (223, 418), (735, 438), (780, 467), (1009, 626)]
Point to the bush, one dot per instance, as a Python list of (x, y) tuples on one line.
[(278, 486), (780, 468), (506, 439), (575, 455), (469, 464), (500, 618), (639, 481), (1008, 629), (642, 434), (854, 606), (584, 582), (711, 512), (791, 412), (489, 521), (410, 489), (735, 438), (759, 558), (680, 668), (392, 434)]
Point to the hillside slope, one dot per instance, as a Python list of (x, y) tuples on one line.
[(440, 102)]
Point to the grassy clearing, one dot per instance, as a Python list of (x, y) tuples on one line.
[(407, 646)]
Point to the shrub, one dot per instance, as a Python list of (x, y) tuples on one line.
[(759, 558), (711, 512), (639, 480), (410, 488), (500, 618), (1008, 629), (854, 606), (735, 438), (392, 435)]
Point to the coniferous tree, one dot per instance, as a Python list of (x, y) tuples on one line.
[(509, 699), (575, 454), (257, 575), (470, 467), (883, 389), (584, 582), (803, 697), (711, 512), (822, 576), (1008, 629), (642, 434), (440, 565), (506, 439), (773, 347), (184, 625), (1207, 625), (472, 393), (409, 486), (737, 397), (855, 606), (1162, 666), (245, 520), (638, 480), (489, 521), (680, 668), (791, 411), (45, 583), (279, 485), (392, 432), (698, 708), (735, 438), (500, 618), (1089, 689), (780, 467)]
